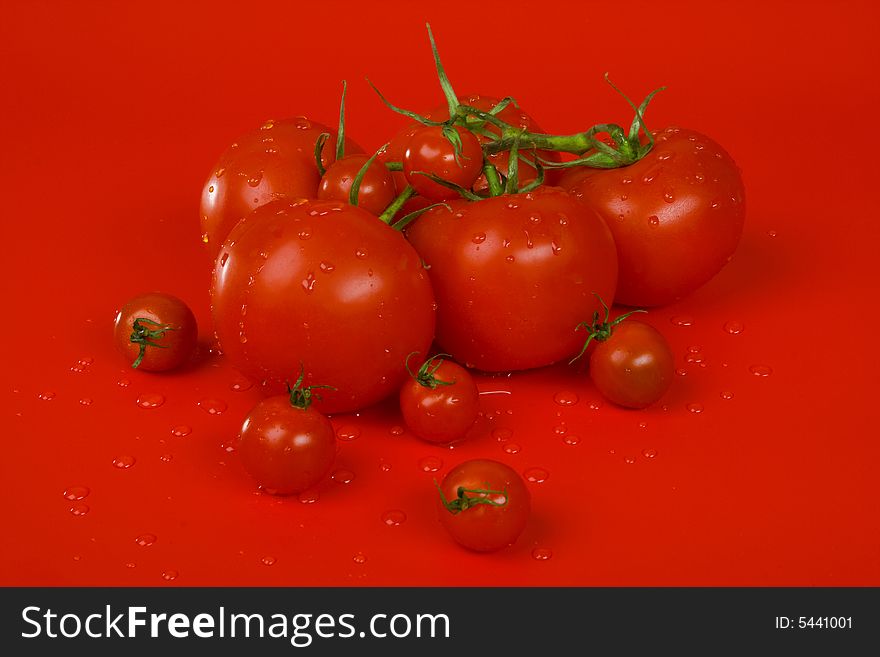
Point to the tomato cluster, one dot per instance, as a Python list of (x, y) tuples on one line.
[(471, 241)]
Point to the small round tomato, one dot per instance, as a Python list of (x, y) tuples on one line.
[(430, 151), (677, 215), (440, 402), (325, 285), (631, 363), (483, 504), (513, 276), (274, 161), (155, 332), (376, 190), (286, 445)]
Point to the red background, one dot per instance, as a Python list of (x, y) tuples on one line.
[(113, 116)]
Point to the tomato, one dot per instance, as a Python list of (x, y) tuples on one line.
[(325, 285), (677, 215), (155, 332), (440, 402), (376, 190), (429, 151), (483, 504), (276, 160), (286, 445), (631, 363), (514, 276)]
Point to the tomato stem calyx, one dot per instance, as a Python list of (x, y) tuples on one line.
[(465, 498), (425, 374), (600, 329), (302, 397), (144, 336)]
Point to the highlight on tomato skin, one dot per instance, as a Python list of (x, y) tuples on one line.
[(483, 504), (155, 332)]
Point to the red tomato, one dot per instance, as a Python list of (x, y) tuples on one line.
[(677, 215), (328, 286), (483, 504), (634, 366), (155, 332), (440, 402), (514, 276), (430, 152), (375, 192), (286, 445), (277, 160)]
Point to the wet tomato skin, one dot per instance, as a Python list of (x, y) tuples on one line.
[(284, 448), (634, 367), (429, 151), (170, 348), (485, 527), (677, 215), (376, 190), (445, 412)]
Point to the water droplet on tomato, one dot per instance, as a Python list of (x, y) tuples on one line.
[(359, 558), (509, 258), (629, 460), (571, 439), (726, 394), (479, 238), (268, 125), (430, 464), (255, 180), (682, 320), (566, 398), (170, 575), (396, 430), (502, 434), (123, 383), (240, 385), (212, 406), (715, 204), (361, 253), (771, 233), (734, 327), (150, 400), (166, 458), (124, 462), (394, 517), (342, 476), (560, 429), (308, 283), (210, 189), (653, 221), (327, 267), (348, 433), (761, 370), (536, 218), (649, 453), (542, 553), (511, 448), (46, 396), (308, 497), (205, 238), (536, 475), (76, 493), (86, 401), (79, 509), (512, 206), (668, 195), (181, 430), (268, 560), (626, 180), (555, 248), (219, 172), (145, 540), (695, 407), (595, 405)]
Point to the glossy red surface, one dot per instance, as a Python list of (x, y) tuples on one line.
[(759, 467)]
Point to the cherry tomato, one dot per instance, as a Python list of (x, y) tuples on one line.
[(276, 160), (326, 285), (483, 504), (514, 275), (677, 215), (631, 363), (440, 402), (429, 151), (376, 190), (286, 445), (155, 332)]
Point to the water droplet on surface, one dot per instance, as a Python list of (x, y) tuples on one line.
[(359, 558), (511, 448), (240, 385), (653, 221), (268, 561), (308, 283), (542, 553), (571, 439), (327, 267), (772, 233), (169, 575), (342, 476), (649, 453), (123, 383), (681, 371), (695, 407), (394, 517), (166, 458), (46, 396), (761, 370), (79, 509), (85, 401), (146, 540), (682, 320), (304, 234), (502, 434), (76, 493), (348, 433), (396, 430), (255, 180), (726, 394), (479, 238), (555, 248), (734, 327), (131, 564), (430, 464), (212, 406), (308, 497), (219, 172), (361, 253), (536, 218), (595, 405), (629, 460), (536, 475), (668, 195), (566, 398), (150, 400), (124, 462)]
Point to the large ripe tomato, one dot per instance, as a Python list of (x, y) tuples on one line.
[(677, 215), (440, 401), (514, 276), (155, 332), (483, 504), (286, 445), (326, 286), (274, 161)]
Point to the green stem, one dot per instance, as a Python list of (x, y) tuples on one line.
[(407, 193), (394, 166), (496, 188)]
